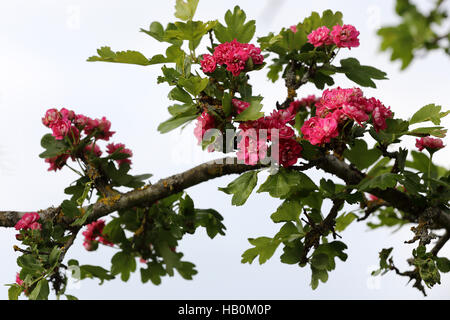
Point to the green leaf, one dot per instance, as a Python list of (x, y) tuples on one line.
[(439, 132), (443, 264), (70, 209), (105, 54), (123, 263), (264, 247), (430, 112), (41, 291), (242, 187), (344, 220), (171, 259), (52, 146), (80, 221), (194, 85), (400, 41), (54, 256), (176, 122), (185, 10), (253, 112), (211, 220), (191, 30), (279, 185), (395, 129), (14, 292), (383, 181), (289, 210), (360, 74), (154, 272), (292, 253), (70, 297), (318, 274), (114, 231), (236, 27), (186, 270), (179, 94), (90, 271), (360, 156), (226, 104)]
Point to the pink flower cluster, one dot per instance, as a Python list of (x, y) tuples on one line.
[(255, 135), (18, 280), (429, 143), (29, 221), (94, 235), (120, 148), (307, 102), (234, 55), (337, 106), (239, 105), (205, 121), (345, 36), (66, 124)]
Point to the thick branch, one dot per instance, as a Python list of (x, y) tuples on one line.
[(225, 166)]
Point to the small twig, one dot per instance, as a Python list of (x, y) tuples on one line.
[(440, 243)]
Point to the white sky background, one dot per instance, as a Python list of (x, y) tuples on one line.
[(43, 51)]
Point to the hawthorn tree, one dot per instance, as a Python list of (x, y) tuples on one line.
[(342, 132)]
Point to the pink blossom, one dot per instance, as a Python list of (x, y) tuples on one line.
[(234, 55), (290, 151), (113, 147), (240, 105), (56, 163), (94, 234), (251, 148), (355, 113), (18, 280), (35, 226), (429, 143), (101, 128), (379, 115), (81, 121), (96, 151), (293, 28), (208, 63), (204, 122), (320, 130), (345, 36), (27, 220), (61, 128), (320, 37), (51, 116), (67, 114)]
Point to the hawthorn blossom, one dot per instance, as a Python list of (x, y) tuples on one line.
[(57, 163), (320, 37), (113, 147), (320, 130), (60, 128), (94, 235), (234, 55), (208, 63), (239, 105), (429, 143), (93, 149), (29, 221), (290, 151), (204, 122), (51, 116), (345, 36), (101, 128)]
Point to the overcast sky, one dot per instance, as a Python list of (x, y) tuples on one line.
[(44, 46)]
